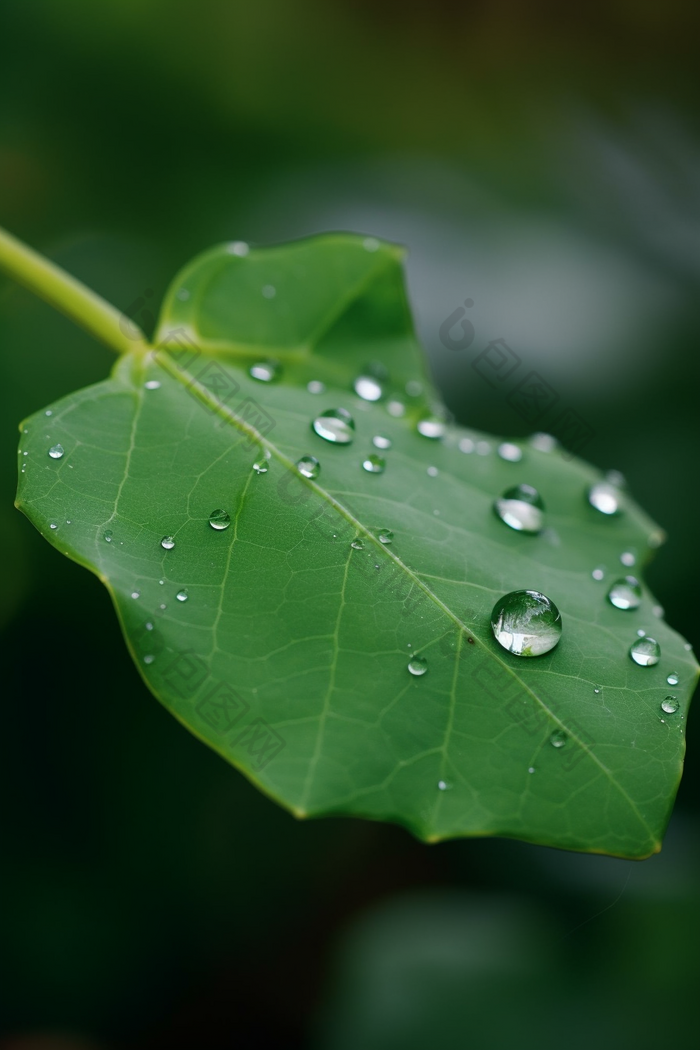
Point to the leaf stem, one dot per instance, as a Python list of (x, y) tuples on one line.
[(70, 296)]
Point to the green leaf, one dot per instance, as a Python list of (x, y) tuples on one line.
[(286, 648)]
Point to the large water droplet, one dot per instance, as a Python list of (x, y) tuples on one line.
[(385, 536), (511, 453), (670, 704), (265, 371), (417, 665), (374, 464), (368, 388), (309, 467), (558, 738), (56, 451), (380, 441), (645, 651), (336, 425), (625, 593), (526, 623), (168, 542), (219, 519), (521, 508), (182, 595), (431, 427), (604, 497), (672, 678)]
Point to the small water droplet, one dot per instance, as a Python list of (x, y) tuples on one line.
[(688, 647), (597, 689), (380, 441), (162, 606), (543, 442), (53, 524), (641, 632), (315, 386), (357, 544), (645, 651), (149, 626), (183, 295), (182, 595), (385, 536), (414, 388), (135, 594), (396, 408), (265, 371), (48, 412), (656, 538), (526, 623), (599, 573), (531, 769), (261, 465), (237, 248), (368, 388), (161, 582), (628, 558), (432, 472), (511, 453), (670, 704), (152, 384), (558, 738), (443, 785), (483, 448), (107, 536), (336, 425), (625, 593), (616, 478), (309, 467), (672, 678), (269, 291), (56, 451), (168, 542), (148, 659), (466, 445), (374, 464), (521, 508), (431, 427), (417, 665), (657, 610), (219, 519), (604, 497), (370, 244)]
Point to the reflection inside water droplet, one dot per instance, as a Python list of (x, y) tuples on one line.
[(219, 520), (645, 651), (526, 623), (417, 665), (336, 425)]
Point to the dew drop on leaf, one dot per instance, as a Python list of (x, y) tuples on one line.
[(336, 425), (558, 738), (135, 594), (628, 558), (483, 448), (431, 427), (219, 520), (265, 371), (672, 678), (385, 536), (309, 467), (509, 452), (526, 623), (148, 659), (374, 464), (261, 466), (645, 651), (380, 441), (432, 472), (107, 536), (604, 497), (599, 573), (396, 408), (417, 665), (521, 508), (56, 451), (315, 386), (357, 544), (670, 704), (625, 593), (152, 384), (168, 542), (182, 595), (368, 388), (443, 785), (543, 442), (466, 445)]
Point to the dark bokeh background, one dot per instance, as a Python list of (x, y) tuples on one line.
[(544, 161)]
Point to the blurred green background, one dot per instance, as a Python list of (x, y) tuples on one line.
[(545, 162)]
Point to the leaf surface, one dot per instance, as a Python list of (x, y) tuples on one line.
[(283, 640)]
